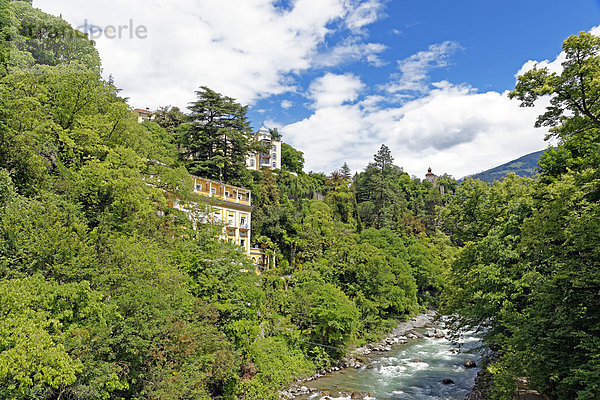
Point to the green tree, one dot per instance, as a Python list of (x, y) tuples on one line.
[(170, 118), (574, 111), (47, 336), (218, 138), (42, 39), (291, 159), (379, 197)]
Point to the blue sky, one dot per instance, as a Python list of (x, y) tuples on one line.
[(496, 39), (341, 77)]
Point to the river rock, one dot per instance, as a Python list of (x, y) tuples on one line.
[(447, 381), (469, 363), (439, 334), (356, 396), (304, 389)]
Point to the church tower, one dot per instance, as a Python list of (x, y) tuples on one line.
[(433, 178)]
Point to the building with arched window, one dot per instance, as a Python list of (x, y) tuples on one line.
[(270, 159)]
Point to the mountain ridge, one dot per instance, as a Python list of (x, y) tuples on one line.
[(523, 166)]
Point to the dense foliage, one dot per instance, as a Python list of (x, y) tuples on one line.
[(528, 270), (106, 292)]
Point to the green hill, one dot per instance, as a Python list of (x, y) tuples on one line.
[(523, 166)]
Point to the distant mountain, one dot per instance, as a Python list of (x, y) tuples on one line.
[(523, 166)]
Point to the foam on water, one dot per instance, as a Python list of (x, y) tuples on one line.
[(410, 372)]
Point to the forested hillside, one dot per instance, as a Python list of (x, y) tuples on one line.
[(528, 269), (108, 293)]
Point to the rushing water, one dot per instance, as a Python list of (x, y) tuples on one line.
[(412, 371)]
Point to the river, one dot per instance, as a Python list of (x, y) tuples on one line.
[(412, 371)]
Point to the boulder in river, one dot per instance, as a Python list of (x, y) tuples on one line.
[(469, 363), (417, 334), (356, 396), (447, 381)]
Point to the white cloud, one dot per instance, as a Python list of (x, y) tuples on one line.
[(246, 49), (333, 90), (553, 66), (414, 69), (453, 129), (350, 51), (362, 14), (286, 104)]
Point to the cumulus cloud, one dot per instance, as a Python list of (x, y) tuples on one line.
[(453, 128), (333, 90), (247, 49), (552, 66), (285, 104), (414, 70)]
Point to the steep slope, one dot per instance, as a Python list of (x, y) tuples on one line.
[(522, 166)]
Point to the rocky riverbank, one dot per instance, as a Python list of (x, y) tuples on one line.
[(481, 390), (401, 334)]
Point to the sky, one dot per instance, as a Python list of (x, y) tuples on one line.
[(339, 78)]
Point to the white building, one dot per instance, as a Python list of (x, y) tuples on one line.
[(272, 159), (143, 114)]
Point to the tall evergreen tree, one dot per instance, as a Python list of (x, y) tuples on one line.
[(218, 138), (346, 171), (384, 191), (383, 159)]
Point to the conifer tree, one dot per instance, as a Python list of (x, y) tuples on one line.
[(218, 138)]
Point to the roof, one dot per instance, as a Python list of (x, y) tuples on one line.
[(142, 111)]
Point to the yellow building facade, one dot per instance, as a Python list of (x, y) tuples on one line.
[(230, 207)]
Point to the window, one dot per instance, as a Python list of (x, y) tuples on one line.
[(198, 187), (226, 194), (213, 190), (243, 220), (252, 162), (274, 164), (275, 155), (243, 243), (240, 196), (274, 148)]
